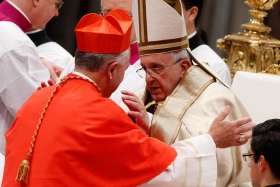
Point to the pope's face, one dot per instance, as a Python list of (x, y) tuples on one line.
[(162, 74)]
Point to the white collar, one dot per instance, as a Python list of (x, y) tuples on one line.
[(87, 78), (192, 34), (83, 76), (34, 31), (18, 9)]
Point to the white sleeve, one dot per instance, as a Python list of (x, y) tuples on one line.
[(21, 73), (2, 163), (225, 74), (195, 165)]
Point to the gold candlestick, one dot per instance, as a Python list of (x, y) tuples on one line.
[(253, 49)]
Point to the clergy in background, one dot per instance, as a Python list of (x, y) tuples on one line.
[(187, 95), (197, 40), (192, 13), (71, 134), (21, 70)]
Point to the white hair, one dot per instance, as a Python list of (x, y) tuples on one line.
[(181, 54), (120, 58), (95, 61)]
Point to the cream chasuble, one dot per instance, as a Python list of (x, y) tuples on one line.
[(190, 110)]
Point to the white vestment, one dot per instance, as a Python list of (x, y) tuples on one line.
[(58, 56), (195, 165), (131, 82), (21, 72), (205, 54)]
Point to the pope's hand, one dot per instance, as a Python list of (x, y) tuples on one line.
[(137, 109), (230, 133)]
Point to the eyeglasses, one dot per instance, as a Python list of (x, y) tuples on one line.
[(154, 71), (59, 4), (246, 156)]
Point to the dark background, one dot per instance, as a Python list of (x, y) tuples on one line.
[(61, 29)]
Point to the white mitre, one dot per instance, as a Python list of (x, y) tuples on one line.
[(160, 27)]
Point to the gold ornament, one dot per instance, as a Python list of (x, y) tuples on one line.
[(253, 49)]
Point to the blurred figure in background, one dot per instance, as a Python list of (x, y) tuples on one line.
[(21, 69), (193, 9), (61, 61), (198, 40)]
